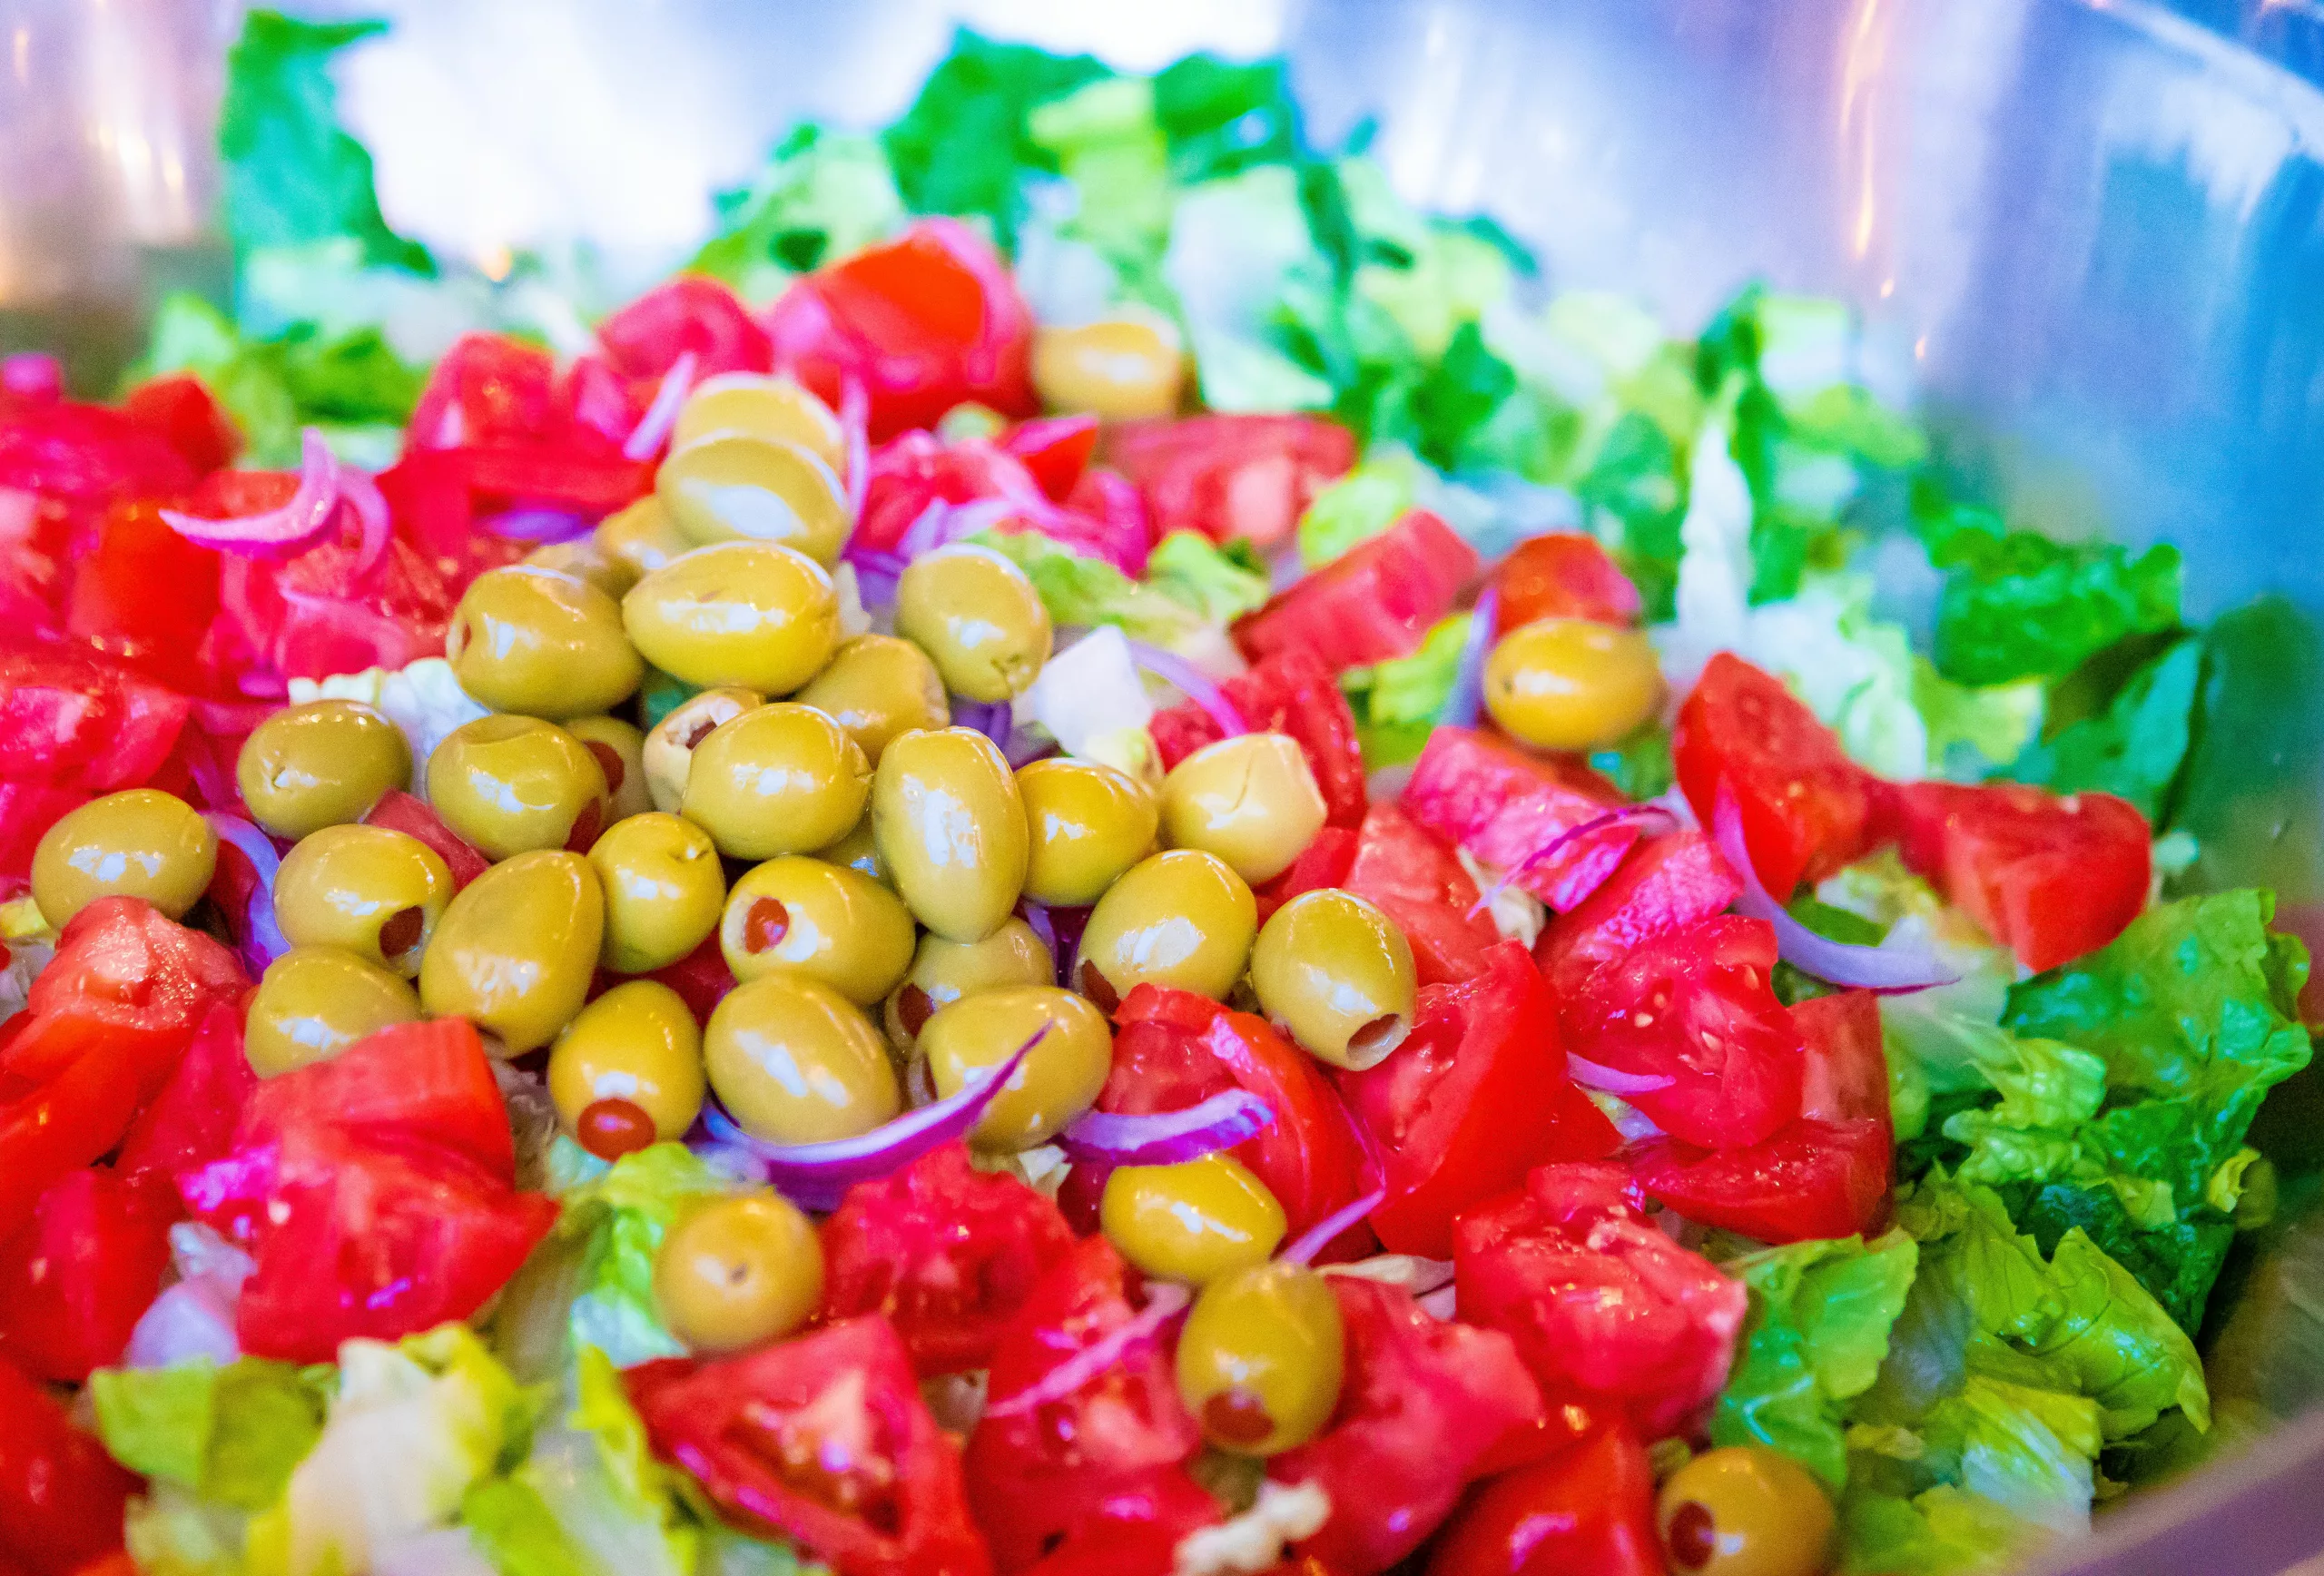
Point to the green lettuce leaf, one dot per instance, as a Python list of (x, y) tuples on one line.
[(230, 1434), (1971, 730), (1087, 592), (619, 1220), (823, 195), (2134, 749), (1396, 701), (1219, 583), (1217, 116)]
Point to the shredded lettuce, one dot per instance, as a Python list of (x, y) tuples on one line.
[(1219, 583), (618, 1219), (821, 196), (1235, 242), (1396, 703), (2135, 746), (230, 1435)]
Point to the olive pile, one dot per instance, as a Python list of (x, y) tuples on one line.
[(858, 861)]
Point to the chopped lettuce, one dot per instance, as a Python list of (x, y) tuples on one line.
[(230, 1434), (2135, 746), (1360, 505), (1973, 731), (1089, 698), (821, 196), (1235, 244), (1219, 116), (1219, 583), (1169, 610), (618, 1220), (1396, 703)]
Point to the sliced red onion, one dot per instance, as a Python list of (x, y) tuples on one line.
[(653, 429), (1165, 1301), (1037, 915), (296, 526), (1888, 971), (1192, 682), (1442, 1305), (362, 495), (1462, 707), (1312, 1241), (942, 524), (536, 525), (390, 643), (876, 574), (192, 1320), (262, 938), (994, 720), (1627, 815), (32, 375), (1597, 1075), (1166, 1138), (854, 425), (816, 1176)]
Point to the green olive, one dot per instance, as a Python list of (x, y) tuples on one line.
[(313, 1002), (642, 536), (1744, 1512), (878, 688), (1181, 918), (584, 558), (542, 642), (1118, 368), (620, 752), (978, 617), (943, 973), (1088, 823), (1058, 1080), (321, 764), (637, 1043), (951, 829), (753, 614), (668, 753), (1251, 800), (1338, 974), (510, 784), (1261, 1358), (798, 1063), (859, 850), (516, 949), (758, 406), (801, 916), (1191, 1222), (663, 886), (1572, 684), (781, 778), (374, 892), (736, 487), (737, 1272), (140, 843)]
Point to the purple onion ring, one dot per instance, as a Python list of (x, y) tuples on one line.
[(1166, 1138)]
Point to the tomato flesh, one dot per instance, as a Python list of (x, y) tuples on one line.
[(2049, 877), (1506, 806), (1812, 1179), (1376, 601)]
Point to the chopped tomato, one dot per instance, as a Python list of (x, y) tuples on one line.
[(1476, 1097), (1812, 1179), (1504, 807), (701, 977), (1844, 1076), (1290, 693), (84, 457), (1376, 601), (67, 1122), (1667, 883), (922, 322), (428, 1082), (487, 389), (1697, 1008), (1419, 883), (1105, 1462), (1806, 808), (1230, 475), (689, 314), (61, 1495), (1173, 1049), (28, 810), (1055, 450), (177, 407), (191, 1121), (822, 1440), (1422, 1400), (1602, 1305), (1324, 863), (946, 1252), (2050, 878), (127, 985), (70, 717), (1561, 575), (75, 1279), (1105, 497), (919, 469), (1587, 1510), (400, 812), (146, 595)]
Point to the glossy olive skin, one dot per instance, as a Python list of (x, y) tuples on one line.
[(642, 536), (1744, 1512), (781, 778), (664, 886), (1192, 1221), (368, 891), (737, 1272), (323, 763), (140, 843), (515, 952), (313, 1002), (1181, 918), (584, 558), (878, 688), (1087, 823), (753, 614), (1337, 973), (758, 406), (542, 642), (638, 1042), (735, 487), (859, 850), (510, 784), (668, 752), (1262, 1357), (801, 916), (1059, 1078), (978, 617), (798, 1063), (950, 827), (1116, 367), (1571, 684), (944, 973), (620, 752), (1251, 800)]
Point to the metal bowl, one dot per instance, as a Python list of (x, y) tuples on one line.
[(2090, 232)]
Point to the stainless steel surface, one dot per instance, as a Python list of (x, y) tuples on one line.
[(2091, 232)]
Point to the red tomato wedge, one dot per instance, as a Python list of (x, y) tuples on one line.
[(1418, 881), (191, 1121), (1812, 1179), (1503, 806), (145, 596), (1587, 1510), (70, 717), (1290, 693), (1230, 475), (690, 315), (61, 1495), (400, 812), (2050, 878), (1561, 575), (1667, 883), (1844, 1076), (178, 409), (127, 985), (1324, 863), (1055, 451), (75, 1280), (1376, 601)]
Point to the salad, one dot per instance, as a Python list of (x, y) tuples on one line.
[(1095, 853)]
